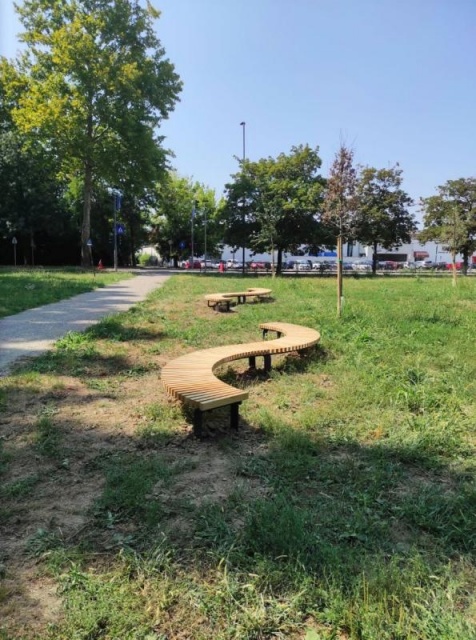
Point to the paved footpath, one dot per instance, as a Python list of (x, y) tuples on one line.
[(33, 332)]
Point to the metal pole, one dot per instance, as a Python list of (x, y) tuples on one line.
[(114, 200), (192, 263), (243, 124), (205, 241)]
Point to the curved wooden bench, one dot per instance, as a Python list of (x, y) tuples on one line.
[(218, 300), (224, 299), (191, 379)]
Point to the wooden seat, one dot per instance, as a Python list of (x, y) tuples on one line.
[(220, 300), (191, 379)]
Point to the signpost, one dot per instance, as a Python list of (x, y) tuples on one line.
[(89, 244), (14, 243), (117, 207)]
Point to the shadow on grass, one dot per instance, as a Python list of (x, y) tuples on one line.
[(333, 522)]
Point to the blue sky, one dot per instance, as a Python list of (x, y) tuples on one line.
[(395, 80)]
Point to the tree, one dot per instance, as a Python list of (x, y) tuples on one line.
[(275, 203), (98, 87), (176, 197), (450, 218), (382, 216), (32, 204), (340, 206)]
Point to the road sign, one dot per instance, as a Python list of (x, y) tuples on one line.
[(182, 244), (89, 243), (120, 230), (14, 240)]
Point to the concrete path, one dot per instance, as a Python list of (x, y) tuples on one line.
[(33, 332)]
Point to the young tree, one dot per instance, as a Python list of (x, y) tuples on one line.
[(98, 87), (450, 218), (282, 199), (382, 216), (340, 206)]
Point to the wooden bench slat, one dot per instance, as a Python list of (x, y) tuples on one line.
[(191, 378)]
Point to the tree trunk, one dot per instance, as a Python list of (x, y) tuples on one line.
[(86, 252), (454, 269), (279, 262), (374, 259), (339, 276)]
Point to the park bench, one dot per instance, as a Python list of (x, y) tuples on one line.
[(191, 379), (224, 300)]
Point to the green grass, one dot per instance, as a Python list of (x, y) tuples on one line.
[(23, 289), (345, 507)]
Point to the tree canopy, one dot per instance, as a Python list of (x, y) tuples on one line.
[(382, 216), (171, 224), (275, 203), (98, 85), (450, 217)]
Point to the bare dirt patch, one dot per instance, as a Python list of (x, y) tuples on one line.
[(52, 497)]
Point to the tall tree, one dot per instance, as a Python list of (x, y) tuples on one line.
[(450, 218), (171, 223), (98, 87), (382, 216), (340, 205), (281, 199)]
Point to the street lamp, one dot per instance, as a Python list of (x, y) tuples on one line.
[(243, 124)]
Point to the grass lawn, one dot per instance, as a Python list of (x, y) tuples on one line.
[(22, 289), (343, 509)]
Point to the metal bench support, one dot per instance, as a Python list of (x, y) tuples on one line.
[(235, 415), (267, 362), (197, 422)]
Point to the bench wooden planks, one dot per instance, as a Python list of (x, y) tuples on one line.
[(217, 300), (190, 378)]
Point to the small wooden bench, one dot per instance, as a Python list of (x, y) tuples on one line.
[(191, 379), (218, 301), (223, 300)]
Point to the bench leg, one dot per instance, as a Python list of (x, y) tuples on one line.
[(267, 362), (197, 422), (252, 362), (235, 415)]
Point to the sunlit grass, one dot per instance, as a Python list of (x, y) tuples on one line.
[(28, 288), (344, 508)]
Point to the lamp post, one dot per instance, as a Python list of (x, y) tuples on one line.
[(192, 261), (243, 124), (205, 241)]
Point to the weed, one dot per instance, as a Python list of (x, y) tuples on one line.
[(48, 436), (128, 493), (20, 488)]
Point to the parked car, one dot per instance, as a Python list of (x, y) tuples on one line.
[(321, 266), (424, 264), (259, 264), (303, 265), (409, 265), (234, 265), (362, 266), (188, 264), (209, 264)]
